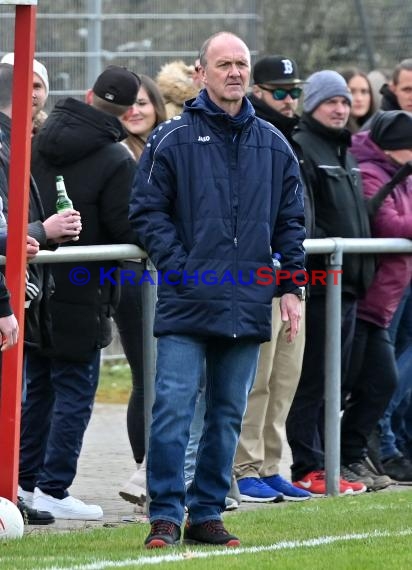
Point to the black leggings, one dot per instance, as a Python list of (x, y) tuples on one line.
[(371, 382), (129, 319)]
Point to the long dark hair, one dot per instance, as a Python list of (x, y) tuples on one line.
[(355, 123), (135, 143)]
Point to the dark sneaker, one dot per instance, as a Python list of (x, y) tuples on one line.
[(360, 477), (362, 469), (209, 532), (405, 447), (374, 465), (399, 468), (163, 533), (33, 516)]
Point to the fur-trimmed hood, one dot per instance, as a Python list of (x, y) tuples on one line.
[(176, 84)]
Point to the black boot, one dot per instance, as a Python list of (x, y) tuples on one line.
[(33, 516)]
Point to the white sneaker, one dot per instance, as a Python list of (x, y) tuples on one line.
[(68, 508), (134, 491), (27, 496)]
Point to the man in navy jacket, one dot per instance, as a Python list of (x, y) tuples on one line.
[(217, 191)]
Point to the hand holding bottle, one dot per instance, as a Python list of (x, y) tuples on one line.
[(64, 204), (63, 227)]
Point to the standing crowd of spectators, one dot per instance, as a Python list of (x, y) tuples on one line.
[(207, 173)]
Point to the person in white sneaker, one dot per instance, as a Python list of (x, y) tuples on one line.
[(62, 380), (67, 508)]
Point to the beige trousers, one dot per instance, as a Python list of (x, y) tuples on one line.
[(260, 445)]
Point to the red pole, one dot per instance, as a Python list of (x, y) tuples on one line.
[(10, 400)]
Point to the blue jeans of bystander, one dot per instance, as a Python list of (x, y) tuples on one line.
[(230, 372), (57, 410), (392, 423)]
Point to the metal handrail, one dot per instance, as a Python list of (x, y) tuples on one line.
[(128, 251), (333, 248)]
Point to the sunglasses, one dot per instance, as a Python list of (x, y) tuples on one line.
[(279, 93)]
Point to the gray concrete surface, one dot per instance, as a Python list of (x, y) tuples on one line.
[(105, 464)]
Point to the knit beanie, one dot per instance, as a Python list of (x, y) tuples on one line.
[(392, 130), (38, 68), (324, 85)]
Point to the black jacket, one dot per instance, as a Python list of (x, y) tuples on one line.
[(287, 126), (81, 143), (5, 308), (389, 100), (39, 283), (335, 184)]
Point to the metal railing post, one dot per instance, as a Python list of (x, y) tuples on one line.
[(333, 369), (94, 42), (149, 293)]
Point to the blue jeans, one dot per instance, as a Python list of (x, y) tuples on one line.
[(57, 410), (230, 372), (392, 423), (196, 429)]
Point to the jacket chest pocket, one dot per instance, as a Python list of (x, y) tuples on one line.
[(336, 187)]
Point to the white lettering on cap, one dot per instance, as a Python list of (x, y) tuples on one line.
[(287, 66)]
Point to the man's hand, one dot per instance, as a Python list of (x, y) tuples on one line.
[(9, 329), (32, 247), (63, 227), (291, 310)]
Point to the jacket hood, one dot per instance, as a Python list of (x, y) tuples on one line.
[(365, 150), (175, 82), (285, 124), (74, 129), (389, 100)]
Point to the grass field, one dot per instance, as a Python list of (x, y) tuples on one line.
[(114, 382), (367, 532)]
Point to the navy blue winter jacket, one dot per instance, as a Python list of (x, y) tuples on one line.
[(212, 198)]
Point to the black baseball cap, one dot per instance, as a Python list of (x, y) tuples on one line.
[(117, 85), (276, 69)]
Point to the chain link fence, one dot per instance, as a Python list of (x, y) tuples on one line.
[(76, 39)]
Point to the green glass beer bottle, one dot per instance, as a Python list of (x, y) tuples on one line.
[(63, 201)]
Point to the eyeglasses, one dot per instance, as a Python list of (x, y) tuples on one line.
[(280, 93)]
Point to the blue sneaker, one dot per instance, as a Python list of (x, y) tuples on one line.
[(289, 491), (254, 490)]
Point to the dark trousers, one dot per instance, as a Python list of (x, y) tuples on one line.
[(371, 382), (57, 410), (305, 422), (129, 321)]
